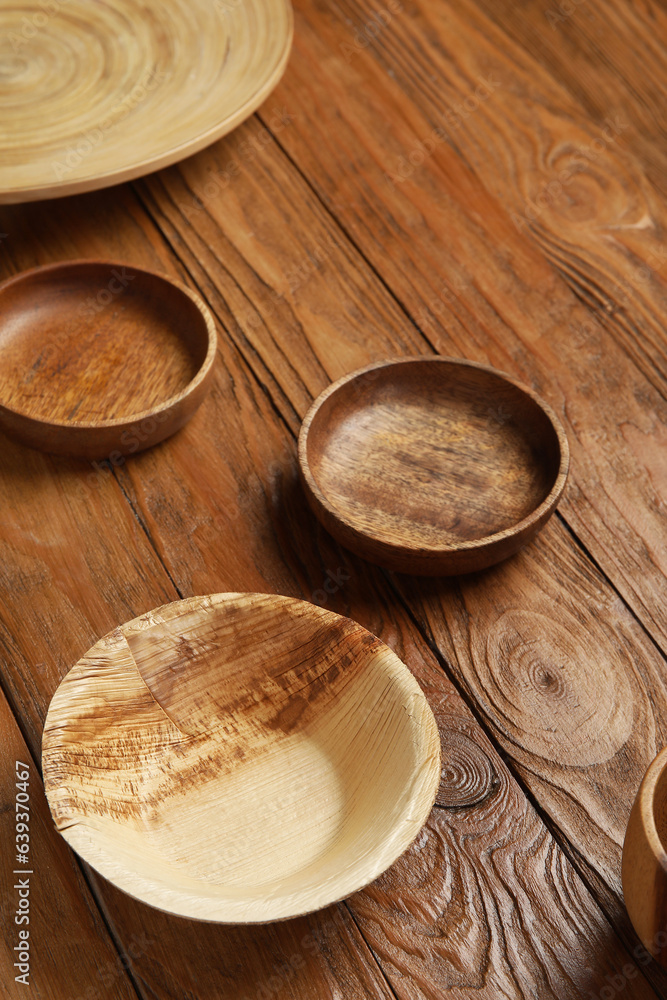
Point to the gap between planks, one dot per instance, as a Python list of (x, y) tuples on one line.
[(376, 960)]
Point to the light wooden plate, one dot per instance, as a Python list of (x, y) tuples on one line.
[(240, 757), (100, 359), (432, 465), (644, 869), (94, 94)]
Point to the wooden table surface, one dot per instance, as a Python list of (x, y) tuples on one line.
[(473, 178)]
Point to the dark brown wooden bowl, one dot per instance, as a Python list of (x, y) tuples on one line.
[(432, 465), (100, 359)]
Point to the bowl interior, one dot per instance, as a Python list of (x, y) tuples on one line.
[(245, 758), (428, 453), (90, 342)]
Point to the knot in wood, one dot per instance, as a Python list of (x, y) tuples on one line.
[(467, 776)]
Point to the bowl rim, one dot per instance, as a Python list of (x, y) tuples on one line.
[(131, 418), (403, 831), (646, 805), (535, 516)]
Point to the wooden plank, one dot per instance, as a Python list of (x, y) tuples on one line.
[(75, 562), (440, 233), (414, 905), (455, 892), (573, 688), (231, 477), (618, 440), (585, 823), (609, 56), (171, 190), (245, 479), (279, 273), (322, 954), (46, 906), (314, 318)]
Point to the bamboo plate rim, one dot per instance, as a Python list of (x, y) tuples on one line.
[(130, 169), (545, 506), (133, 417)]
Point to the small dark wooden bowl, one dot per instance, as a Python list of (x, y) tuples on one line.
[(432, 465), (100, 359)]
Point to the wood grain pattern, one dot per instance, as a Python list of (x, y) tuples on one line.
[(57, 543), (252, 524), (582, 353), (173, 745), (100, 360), (432, 465), (629, 86), (414, 960), (477, 288), (287, 247), (571, 685), (268, 495), (566, 813), (621, 475), (97, 94), (278, 272)]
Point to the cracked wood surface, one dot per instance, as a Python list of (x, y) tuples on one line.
[(368, 211)]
